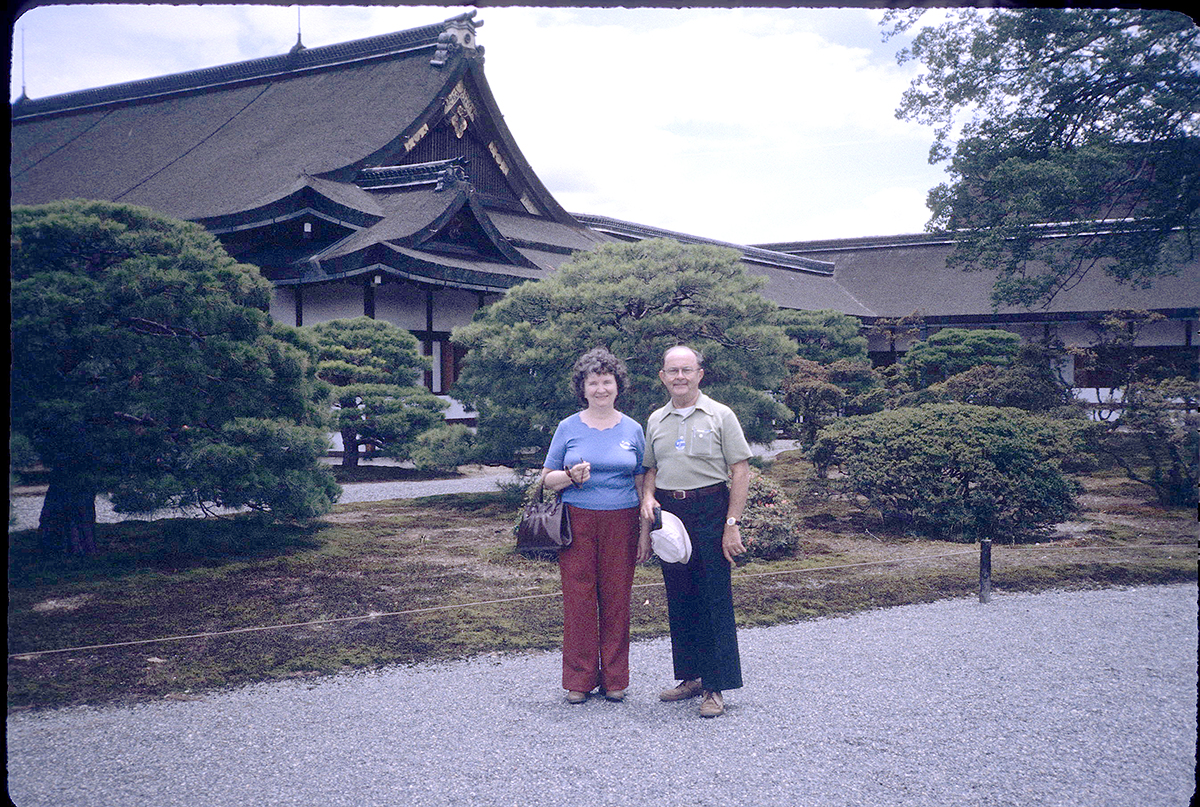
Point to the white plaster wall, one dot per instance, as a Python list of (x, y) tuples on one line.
[(329, 301), (453, 307), (283, 305), (1167, 332), (402, 304)]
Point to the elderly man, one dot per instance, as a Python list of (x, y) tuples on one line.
[(697, 467)]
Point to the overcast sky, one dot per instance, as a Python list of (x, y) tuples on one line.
[(743, 125)]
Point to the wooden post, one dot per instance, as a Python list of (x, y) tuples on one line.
[(985, 570)]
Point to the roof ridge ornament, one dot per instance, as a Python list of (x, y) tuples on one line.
[(299, 46), (458, 37), (443, 174)]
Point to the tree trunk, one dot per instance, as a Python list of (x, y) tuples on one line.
[(349, 448), (68, 520)]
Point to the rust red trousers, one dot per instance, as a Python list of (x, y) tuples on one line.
[(597, 577)]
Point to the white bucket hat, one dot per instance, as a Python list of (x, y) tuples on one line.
[(670, 542)]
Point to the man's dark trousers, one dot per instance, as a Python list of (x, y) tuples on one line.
[(700, 597)]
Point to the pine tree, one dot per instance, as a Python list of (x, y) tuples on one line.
[(145, 366)]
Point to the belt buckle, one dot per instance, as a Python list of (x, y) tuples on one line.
[(679, 494)]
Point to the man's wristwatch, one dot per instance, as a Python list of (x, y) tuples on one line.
[(731, 522)]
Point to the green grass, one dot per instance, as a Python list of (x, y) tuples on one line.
[(174, 577)]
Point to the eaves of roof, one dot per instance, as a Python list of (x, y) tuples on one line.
[(334, 201), (536, 232), (415, 217), (793, 281), (863, 242), (899, 276), (417, 266)]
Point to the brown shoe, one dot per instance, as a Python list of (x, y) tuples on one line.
[(576, 697), (713, 705), (685, 690), (615, 695)]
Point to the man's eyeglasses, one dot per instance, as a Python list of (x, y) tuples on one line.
[(686, 372)]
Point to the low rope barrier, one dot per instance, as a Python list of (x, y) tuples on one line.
[(412, 611), (476, 603)]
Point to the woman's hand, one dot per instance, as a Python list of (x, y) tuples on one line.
[(643, 549), (580, 472)]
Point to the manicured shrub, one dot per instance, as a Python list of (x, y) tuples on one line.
[(955, 471), (443, 448), (1030, 382), (818, 393), (769, 521), (951, 351)]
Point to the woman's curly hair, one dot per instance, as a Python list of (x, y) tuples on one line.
[(599, 361)]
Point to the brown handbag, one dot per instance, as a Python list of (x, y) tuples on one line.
[(545, 526)]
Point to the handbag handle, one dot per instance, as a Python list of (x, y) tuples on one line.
[(541, 484)]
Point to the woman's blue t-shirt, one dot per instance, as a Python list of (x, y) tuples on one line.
[(615, 455)]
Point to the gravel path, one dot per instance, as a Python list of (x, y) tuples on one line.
[(1060, 698), (26, 509)]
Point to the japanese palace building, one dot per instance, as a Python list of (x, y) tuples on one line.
[(378, 177)]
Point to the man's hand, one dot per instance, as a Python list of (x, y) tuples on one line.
[(731, 542), (648, 505)]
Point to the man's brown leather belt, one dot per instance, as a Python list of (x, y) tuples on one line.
[(695, 493)]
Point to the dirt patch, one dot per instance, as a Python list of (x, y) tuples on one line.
[(1118, 511), (64, 604)]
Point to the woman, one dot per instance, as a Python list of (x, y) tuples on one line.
[(595, 458)]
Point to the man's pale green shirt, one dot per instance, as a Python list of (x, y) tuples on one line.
[(694, 451)]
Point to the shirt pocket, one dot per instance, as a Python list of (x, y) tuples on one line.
[(703, 442)]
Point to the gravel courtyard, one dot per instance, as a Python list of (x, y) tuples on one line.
[(1061, 698)]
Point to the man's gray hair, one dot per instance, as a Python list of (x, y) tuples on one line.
[(699, 356)]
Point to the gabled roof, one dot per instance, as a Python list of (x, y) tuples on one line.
[(200, 151), (391, 141)]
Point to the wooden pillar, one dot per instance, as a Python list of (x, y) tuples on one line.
[(429, 334), (369, 297)]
